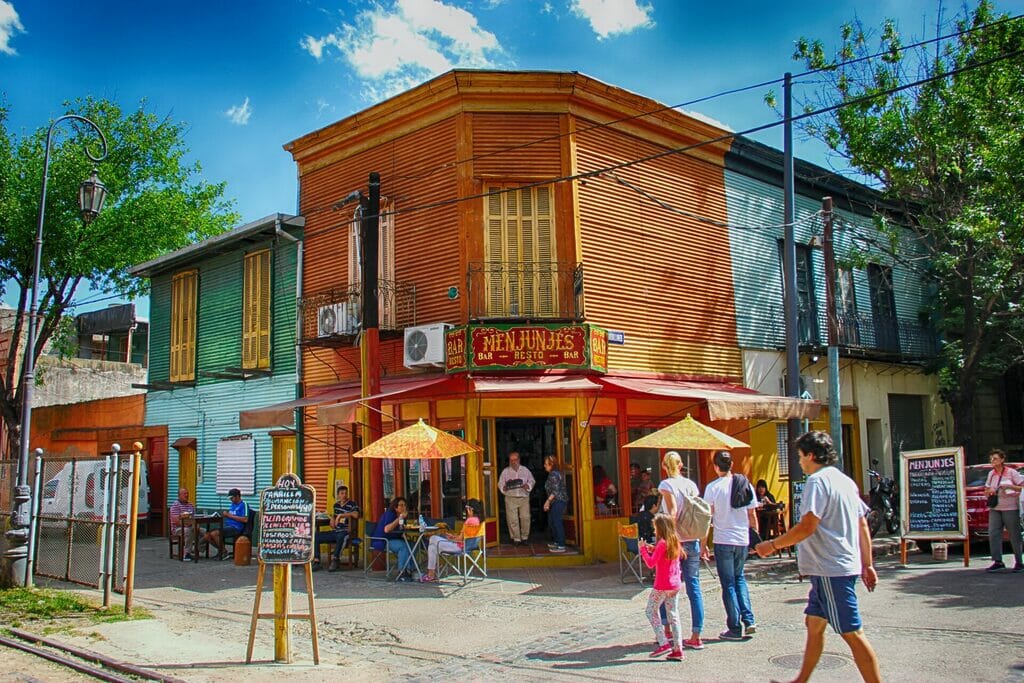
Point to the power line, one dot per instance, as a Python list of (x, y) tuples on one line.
[(686, 149), (722, 93)]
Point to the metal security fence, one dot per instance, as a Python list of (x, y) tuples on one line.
[(81, 508)]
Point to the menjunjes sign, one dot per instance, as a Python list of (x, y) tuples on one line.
[(526, 347), (932, 504)]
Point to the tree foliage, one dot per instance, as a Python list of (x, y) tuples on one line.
[(950, 152), (157, 202)]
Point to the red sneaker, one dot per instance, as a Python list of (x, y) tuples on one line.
[(660, 650), (694, 643), (675, 656)]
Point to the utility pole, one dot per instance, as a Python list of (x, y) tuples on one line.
[(789, 286), (369, 348), (835, 417)]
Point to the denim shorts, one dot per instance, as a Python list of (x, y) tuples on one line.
[(834, 599)]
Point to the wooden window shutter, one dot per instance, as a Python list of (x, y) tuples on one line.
[(183, 326), (256, 310), (354, 274), (386, 265), (494, 254), (545, 254)]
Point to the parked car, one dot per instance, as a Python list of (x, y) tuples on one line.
[(84, 500), (977, 509)]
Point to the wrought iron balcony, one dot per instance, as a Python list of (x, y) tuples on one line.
[(861, 334), (501, 290), (333, 316)]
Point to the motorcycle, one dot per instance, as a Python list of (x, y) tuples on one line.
[(884, 503)]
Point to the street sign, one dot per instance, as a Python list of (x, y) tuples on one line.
[(616, 337)]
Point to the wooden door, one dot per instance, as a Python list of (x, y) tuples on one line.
[(156, 462), (489, 473), (283, 455), (568, 460), (187, 472)]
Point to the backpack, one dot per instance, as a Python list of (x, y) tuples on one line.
[(694, 519), (741, 496)]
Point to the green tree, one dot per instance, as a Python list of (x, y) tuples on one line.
[(157, 202), (950, 153)]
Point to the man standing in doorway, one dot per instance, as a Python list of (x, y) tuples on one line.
[(835, 548), (732, 538), (515, 483)]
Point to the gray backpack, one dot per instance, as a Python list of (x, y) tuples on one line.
[(694, 519)]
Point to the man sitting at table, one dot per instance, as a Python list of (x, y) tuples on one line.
[(182, 508), (344, 511), (235, 519)]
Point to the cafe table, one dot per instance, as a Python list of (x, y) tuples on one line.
[(203, 523), (414, 536)]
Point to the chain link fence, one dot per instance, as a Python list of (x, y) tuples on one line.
[(76, 527)]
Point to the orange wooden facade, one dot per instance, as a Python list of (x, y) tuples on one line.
[(660, 274)]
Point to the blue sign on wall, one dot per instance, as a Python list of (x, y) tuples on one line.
[(616, 337)]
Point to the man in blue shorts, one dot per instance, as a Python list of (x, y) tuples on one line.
[(834, 549)]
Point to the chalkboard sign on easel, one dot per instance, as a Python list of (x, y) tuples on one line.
[(286, 523), (932, 504)]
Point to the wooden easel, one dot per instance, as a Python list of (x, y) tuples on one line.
[(282, 612)]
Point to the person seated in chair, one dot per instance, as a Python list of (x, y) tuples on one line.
[(645, 518), (235, 519), (453, 543), (391, 526), (346, 511), (180, 517), (768, 509)]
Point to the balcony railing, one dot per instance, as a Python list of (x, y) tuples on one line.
[(501, 290), (862, 334), (335, 314)]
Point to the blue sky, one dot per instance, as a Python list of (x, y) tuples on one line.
[(249, 76)]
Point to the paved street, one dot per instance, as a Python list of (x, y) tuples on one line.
[(930, 622)]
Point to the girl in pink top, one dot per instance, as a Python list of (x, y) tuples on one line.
[(665, 558)]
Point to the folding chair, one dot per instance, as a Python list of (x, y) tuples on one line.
[(374, 543), (630, 561), (472, 557)]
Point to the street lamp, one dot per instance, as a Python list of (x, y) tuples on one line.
[(91, 195)]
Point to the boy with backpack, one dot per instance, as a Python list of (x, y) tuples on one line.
[(680, 499), (734, 514)]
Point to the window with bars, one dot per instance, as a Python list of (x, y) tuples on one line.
[(519, 248), (256, 310), (184, 292), (782, 448)]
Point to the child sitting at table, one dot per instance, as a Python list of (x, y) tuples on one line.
[(645, 518), (453, 543)]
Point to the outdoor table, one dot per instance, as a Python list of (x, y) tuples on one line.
[(418, 534), (203, 524)]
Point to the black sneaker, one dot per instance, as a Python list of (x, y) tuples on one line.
[(1018, 568), (996, 567), (316, 567), (731, 635)]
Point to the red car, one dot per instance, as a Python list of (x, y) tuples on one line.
[(977, 509)]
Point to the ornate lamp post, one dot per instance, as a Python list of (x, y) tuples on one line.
[(91, 195)]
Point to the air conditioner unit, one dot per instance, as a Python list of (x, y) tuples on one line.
[(336, 319), (424, 346)]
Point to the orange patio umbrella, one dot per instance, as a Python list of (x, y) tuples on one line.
[(417, 442), (687, 434)]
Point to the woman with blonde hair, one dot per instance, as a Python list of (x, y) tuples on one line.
[(554, 504), (674, 490)]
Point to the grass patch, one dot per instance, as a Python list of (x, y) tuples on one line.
[(20, 605)]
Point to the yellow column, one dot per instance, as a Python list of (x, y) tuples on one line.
[(282, 608)]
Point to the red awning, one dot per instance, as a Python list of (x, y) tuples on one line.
[(340, 412), (724, 401), (283, 414)]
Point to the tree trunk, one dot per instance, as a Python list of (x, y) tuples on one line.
[(962, 406)]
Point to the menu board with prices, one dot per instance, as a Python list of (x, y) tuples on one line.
[(287, 527), (932, 494)]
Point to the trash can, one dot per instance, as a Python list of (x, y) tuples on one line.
[(940, 551), (243, 551)]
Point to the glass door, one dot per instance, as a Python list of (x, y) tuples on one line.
[(568, 459), (489, 464)]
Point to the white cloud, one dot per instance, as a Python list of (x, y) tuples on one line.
[(240, 113), (546, 8), (610, 17), (10, 26), (391, 50)]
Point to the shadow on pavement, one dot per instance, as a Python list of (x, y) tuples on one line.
[(597, 657), (969, 587)]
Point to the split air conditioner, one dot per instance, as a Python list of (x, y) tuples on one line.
[(336, 319), (424, 345)]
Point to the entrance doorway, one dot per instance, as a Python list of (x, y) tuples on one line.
[(533, 439)]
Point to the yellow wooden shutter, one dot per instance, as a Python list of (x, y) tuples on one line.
[(494, 254), (386, 266), (546, 282), (183, 326), (256, 310)]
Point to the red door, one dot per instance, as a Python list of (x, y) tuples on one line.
[(156, 461)]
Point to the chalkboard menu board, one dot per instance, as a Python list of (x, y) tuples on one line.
[(286, 522), (932, 494)]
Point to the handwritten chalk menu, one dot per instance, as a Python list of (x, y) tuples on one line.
[(932, 494), (286, 522)]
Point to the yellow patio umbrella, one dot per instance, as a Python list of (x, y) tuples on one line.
[(417, 442), (687, 434)]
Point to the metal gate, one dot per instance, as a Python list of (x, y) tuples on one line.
[(77, 536)]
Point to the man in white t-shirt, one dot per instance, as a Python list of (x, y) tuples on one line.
[(732, 539), (835, 548)]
